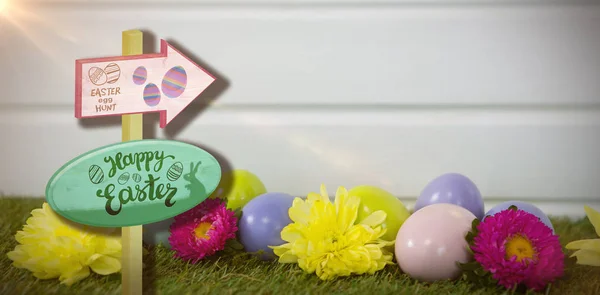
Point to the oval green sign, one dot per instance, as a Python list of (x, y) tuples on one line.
[(133, 183)]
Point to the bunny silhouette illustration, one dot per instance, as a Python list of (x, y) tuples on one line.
[(194, 185)]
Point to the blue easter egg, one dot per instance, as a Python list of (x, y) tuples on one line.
[(452, 188), (157, 233), (527, 207), (261, 223)]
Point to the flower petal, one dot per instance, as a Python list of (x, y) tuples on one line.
[(594, 217), (17, 255), (313, 197), (105, 265), (280, 250), (587, 257), (593, 245), (74, 276), (110, 246), (290, 233), (288, 258), (324, 192), (347, 212), (300, 211), (375, 219), (341, 197)]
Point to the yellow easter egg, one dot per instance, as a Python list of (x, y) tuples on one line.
[(373, 199), (238, 187)]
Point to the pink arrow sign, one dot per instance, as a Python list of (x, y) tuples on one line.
[(165, 82)]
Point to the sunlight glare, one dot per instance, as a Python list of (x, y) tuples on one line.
[(35, 27), (3, 5)]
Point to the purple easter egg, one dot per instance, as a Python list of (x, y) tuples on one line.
[(529, 208), (174, 82), (139, 75), (151, 95), (452, 188), (261, 223)]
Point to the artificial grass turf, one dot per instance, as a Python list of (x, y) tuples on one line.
[(241, 274)]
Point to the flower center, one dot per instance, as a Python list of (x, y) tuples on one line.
[(202, 229), (520, 247)]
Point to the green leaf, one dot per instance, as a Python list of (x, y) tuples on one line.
[(474, 225), (234, 244), (238, 213), (470, 250), (471, 277), (480, 272), (470, 237), (474, 273), (468, 266)]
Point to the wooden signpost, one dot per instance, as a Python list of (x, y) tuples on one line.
[(137, 181)]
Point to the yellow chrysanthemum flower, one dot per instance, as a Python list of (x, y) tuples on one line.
[(588, 251), (50, 246), (324, 238)]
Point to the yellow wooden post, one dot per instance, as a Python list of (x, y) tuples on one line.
[(131, 237)]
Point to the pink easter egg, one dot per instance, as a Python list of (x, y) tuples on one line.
[(432, 240)]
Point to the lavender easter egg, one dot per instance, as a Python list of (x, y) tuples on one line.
[(527, 207), (261, 223), (452, 188)]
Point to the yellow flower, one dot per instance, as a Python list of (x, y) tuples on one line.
[(51, 246), (324, 238), (588, 251)]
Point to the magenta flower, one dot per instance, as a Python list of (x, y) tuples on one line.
[(203, 230), (515, 247)]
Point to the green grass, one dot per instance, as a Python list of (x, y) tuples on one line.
[(240, 274)]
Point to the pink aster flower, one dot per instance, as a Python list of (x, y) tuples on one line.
[(517, 248), (203, 230)]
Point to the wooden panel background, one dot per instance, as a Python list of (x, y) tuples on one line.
[(389, 93)]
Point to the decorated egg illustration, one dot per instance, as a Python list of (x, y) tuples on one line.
[(124, 178), (139, 75), (113, 72), (151, 95), (175, 171), (97, 76), (136, 177), (174, 82), (96, 174)]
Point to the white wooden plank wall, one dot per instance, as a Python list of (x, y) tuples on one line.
[(389, 93)]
